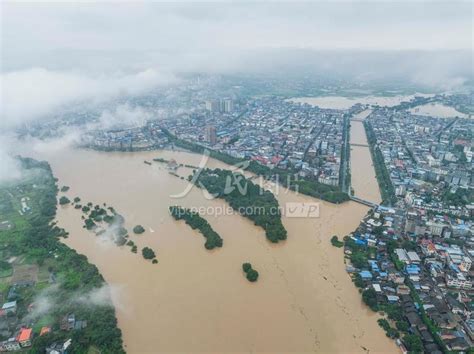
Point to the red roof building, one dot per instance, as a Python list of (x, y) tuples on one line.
[(45, 330), (24, 337)]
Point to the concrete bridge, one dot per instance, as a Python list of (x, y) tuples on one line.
[(357, 120), (364, 202), (363, 145)]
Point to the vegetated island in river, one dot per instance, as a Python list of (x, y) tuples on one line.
[(250, 273), (51, 270), (194, 220), (138, 229), (247, 198), (105, 220)]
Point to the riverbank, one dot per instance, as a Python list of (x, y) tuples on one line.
[(50, 285), (196, 300)]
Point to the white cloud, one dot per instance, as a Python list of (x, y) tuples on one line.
[(31, 94), (47, 147), (10, 168), (46, 300), (124, 115), (98, 296), (207, 26), (80, 47)]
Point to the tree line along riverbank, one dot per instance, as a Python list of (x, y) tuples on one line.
[(383, 177)]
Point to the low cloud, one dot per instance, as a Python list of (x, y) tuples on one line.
[(43, 303), (102, 296), (46, 300), (67, 139), (36, 93), (10, 168), (124, 115)]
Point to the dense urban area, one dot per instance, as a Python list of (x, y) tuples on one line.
[(411, 255)]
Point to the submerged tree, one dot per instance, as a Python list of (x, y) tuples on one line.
[(138, 229), (251, 274), (64, 200), (148, 253)]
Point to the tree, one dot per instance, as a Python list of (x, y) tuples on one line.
[(357, 279), (409, 245), (370, 298), (252, 275), (389, 331), (358, 259), (148, 253), (77, 200), (246, 267), (138, 229), (413, 343), (394, 312), (64, 200), (89, 224), (335, 242), (402, 326)]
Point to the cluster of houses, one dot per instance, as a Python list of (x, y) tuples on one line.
[(426, 277), (273, 132), (146, 137), (429, 159), (428, 274), (23, 336), (20, 341)]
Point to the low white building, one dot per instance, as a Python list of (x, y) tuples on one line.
[(458, 281), (413, 257)]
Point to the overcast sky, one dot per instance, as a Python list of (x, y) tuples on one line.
[(55, 53), (141, 33)]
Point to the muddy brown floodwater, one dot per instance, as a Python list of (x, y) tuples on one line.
[(196, 300), (363, 179)]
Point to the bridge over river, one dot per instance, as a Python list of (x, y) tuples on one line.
[(364, 202), (363, 182)]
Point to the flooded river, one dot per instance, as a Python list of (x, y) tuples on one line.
[(196, 300), (341, 102), (363, 180), (437, 110)]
